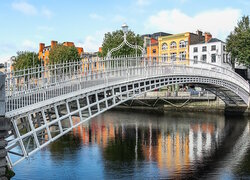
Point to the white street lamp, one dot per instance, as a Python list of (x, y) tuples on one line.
[(125, 31), (125, 28)]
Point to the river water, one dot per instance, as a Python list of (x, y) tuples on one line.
[(146, 145)]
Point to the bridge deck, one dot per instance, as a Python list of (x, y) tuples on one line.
[(46, 108)]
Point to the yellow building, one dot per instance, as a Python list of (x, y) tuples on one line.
[(176, 47)]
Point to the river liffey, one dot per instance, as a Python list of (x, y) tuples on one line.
[(139, 145)]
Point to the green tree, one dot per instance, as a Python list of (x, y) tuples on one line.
[(238, 42), (25, 59), (114, 39), (61, 53)]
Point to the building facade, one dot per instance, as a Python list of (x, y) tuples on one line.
[(152, 48), (176, 47), (211, 50), (44, 51)]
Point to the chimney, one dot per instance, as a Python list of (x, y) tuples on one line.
[(199, 33), (41, 47), (200, 36), (208, 36), (53, 44)]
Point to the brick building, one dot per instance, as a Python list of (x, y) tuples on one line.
[(43, 53)]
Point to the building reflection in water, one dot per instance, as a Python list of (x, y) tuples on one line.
[(174, 143)]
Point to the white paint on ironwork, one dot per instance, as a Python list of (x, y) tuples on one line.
[(39, 99)]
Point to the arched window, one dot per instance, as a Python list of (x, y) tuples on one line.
[(173, 45), (182, 44), (164, 46)]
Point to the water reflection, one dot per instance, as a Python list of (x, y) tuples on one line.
[(146, 145), (174, 142)]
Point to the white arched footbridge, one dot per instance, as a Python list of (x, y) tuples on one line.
[(43, 101)]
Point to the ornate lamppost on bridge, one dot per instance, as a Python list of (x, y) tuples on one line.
[(125, 32)]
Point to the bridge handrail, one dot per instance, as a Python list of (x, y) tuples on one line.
[(51, 68), (107, 61), (102, 75)]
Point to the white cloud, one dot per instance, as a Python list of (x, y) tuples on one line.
[(10, 48), (24, 8), (218, 22), (4, 58), (7, 50), (90, 44), (29, 9), (46, 12), (96, 16)]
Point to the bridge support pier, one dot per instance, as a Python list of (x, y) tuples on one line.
[(5, 125)]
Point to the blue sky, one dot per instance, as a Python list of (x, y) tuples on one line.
[(25, 23)]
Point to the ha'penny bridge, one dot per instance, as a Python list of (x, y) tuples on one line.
[(41, 102)]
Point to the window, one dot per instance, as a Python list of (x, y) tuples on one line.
[(204, 48), (182, 55), (224, 48), (195, 49), (195, 59), (165, 57), (224, 58), (213, 58), (182, 44), (173, 56), (173, 45), (229, 59), (164, 46), (154, 51), (204, 58), (213, 48)]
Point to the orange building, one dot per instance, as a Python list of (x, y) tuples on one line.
[(100, 49), (153, 48), (43, 53)]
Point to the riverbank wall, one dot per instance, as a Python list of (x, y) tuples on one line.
[(184, 102)]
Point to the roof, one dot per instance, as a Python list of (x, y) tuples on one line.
[(174, 35), (212, 40), (161, 34), (154, 44), (156, 35)]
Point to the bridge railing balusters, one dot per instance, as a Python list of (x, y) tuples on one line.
[(32, 85)]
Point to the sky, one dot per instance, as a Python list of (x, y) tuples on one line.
[(26, 23)]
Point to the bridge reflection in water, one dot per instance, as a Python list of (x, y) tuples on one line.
[(144, 145), (174, 143)]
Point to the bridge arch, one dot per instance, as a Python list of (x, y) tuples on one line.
[(36, 125)]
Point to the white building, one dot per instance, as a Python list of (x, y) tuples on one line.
[(212, 50)]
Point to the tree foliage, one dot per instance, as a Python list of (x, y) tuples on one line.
[(114, 39), (25, 59), (61, 53), (238, 42)]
